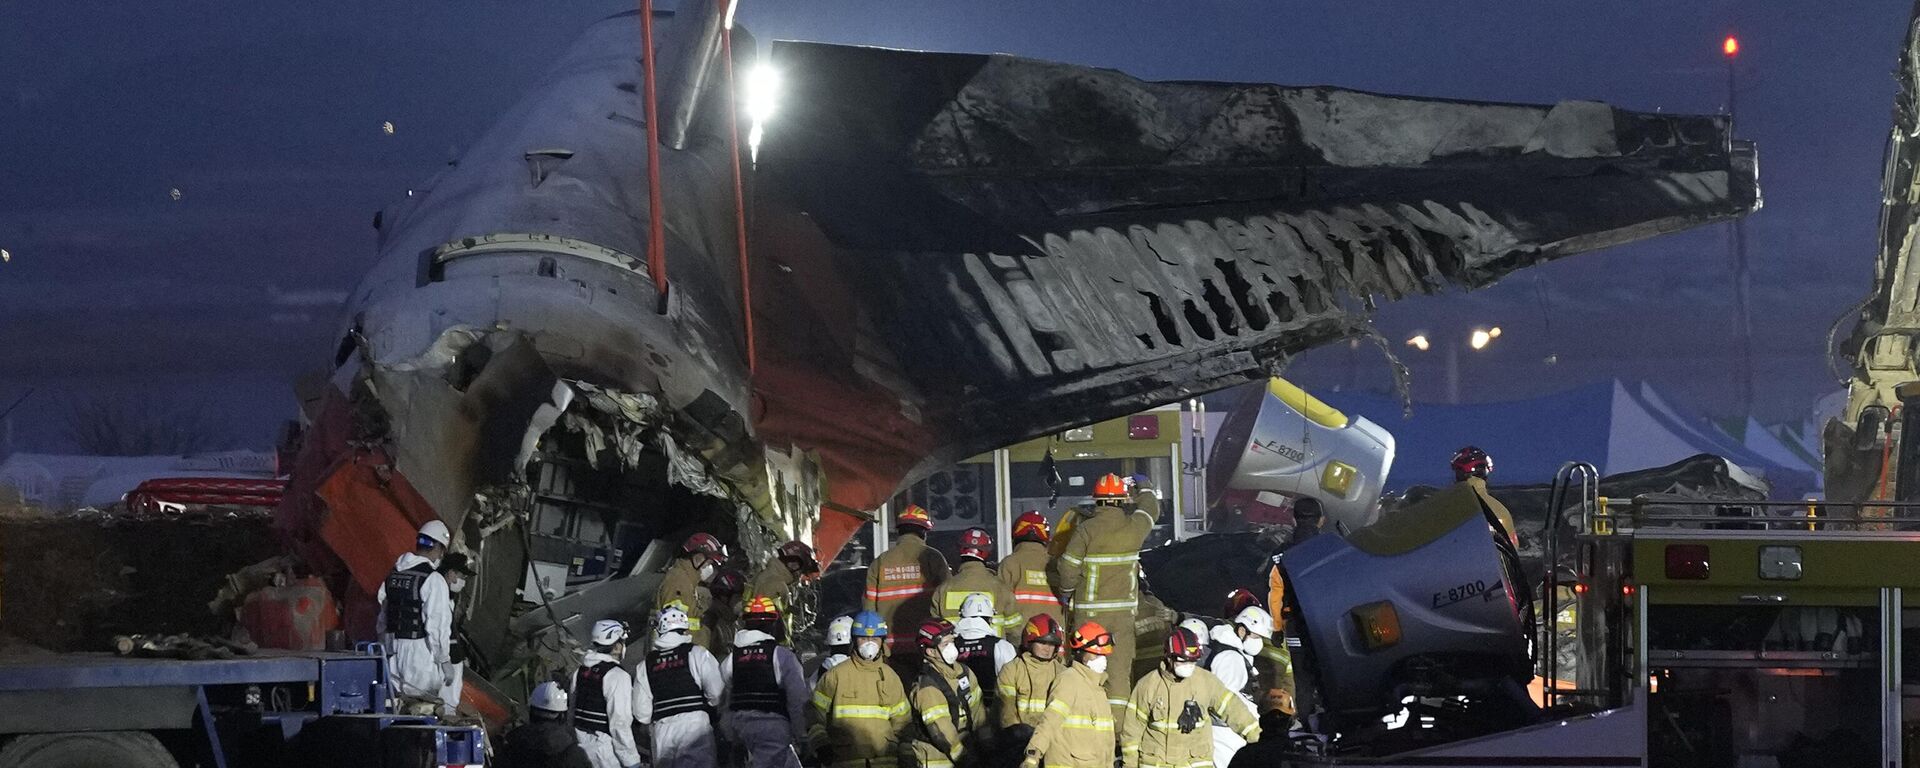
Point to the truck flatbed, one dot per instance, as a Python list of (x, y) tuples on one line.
[(44, 671)]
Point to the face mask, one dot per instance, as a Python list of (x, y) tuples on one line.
[(456, 585), (1183, 669), (949, 653), (869, 649), (1097, 664), (707, 571), (1253, 645)]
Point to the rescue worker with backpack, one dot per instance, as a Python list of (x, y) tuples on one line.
[(1077, 728), (859, 708), (544, 741), (416, 621), (766, 706), (901, 581), (972, 577), (700, 559), (1098, 573), (947, 702), (1230, 657), (1025, 570), (676, 693), (982, 651), (1169, 713), (603, 699)]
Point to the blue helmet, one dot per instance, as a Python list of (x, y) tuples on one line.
[(869, 624)]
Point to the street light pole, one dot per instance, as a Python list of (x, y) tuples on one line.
[(1737, 247)]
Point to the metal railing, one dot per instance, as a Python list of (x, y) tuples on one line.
[(1606, 517)]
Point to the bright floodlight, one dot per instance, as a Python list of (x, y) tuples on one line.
[(1730, 46), (5, 256), (761, 98), (1419, 342), (1480, 339), (1493, 332)]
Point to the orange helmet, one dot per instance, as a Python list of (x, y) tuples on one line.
[(975, 543), (913, 517), (1041, 629), (1238, 600), (1031, 526), (1092, 638), (1110, 487), (761, 607)]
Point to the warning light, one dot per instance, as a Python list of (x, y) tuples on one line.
[(1730, 46)]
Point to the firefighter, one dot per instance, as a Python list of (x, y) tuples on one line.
[(972, 577), (767, 691), (603, 699), (544, 741), (839, 645), (901, 581), (1025, 571), (699, 561), (1168, 716), (860, 708), (676, 693), (948, 706), (981, 649), (723, 616), (1098, 574), (1230, 657), (1077, 729), (456, 569), (1471, 467), (792, 562), (416, 620), (1025, 684)]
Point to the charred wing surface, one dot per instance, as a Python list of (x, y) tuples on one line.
[(1068, 244)]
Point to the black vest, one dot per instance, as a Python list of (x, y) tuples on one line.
[(670, 677), (590, 697), (755, 688), (977, 654), (406, 607)]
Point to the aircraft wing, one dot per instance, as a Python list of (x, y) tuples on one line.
[(957, 252)]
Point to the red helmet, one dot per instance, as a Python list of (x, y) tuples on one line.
[(761, 607), (931, 631), (975, 543), (1471, 461), (913, 517), (705, 544), (1041, 629), (1238, 600), (799, 553), (1184, 645), (728, 583), (1031, 526), (1110, 487)]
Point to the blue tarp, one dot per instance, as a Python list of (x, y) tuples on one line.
[(1619, 426)]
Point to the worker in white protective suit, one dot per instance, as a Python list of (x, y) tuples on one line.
[(416, 622), (603, 699), (767, 691), (676, 692), (1233, 648), (839, 646)]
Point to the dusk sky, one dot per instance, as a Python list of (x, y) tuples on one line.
[(267, 117)]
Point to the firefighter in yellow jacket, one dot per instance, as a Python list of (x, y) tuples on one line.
[(1025, 571), (1099, 576), (859, 707), (1077, 730), (1169, 717), (1026, 683), (901, 581), (973, 577), (685, 583), (947, 708), (791, 563)]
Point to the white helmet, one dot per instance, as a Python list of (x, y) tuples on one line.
[(673, 618), (1256, 620), (548, 696), (609, 632), (977, 606), (437, 531), (840, 631), (1197, 627)]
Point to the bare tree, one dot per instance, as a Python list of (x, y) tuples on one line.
[(140, 426)]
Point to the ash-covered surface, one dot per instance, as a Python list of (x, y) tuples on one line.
[(74, 581)]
